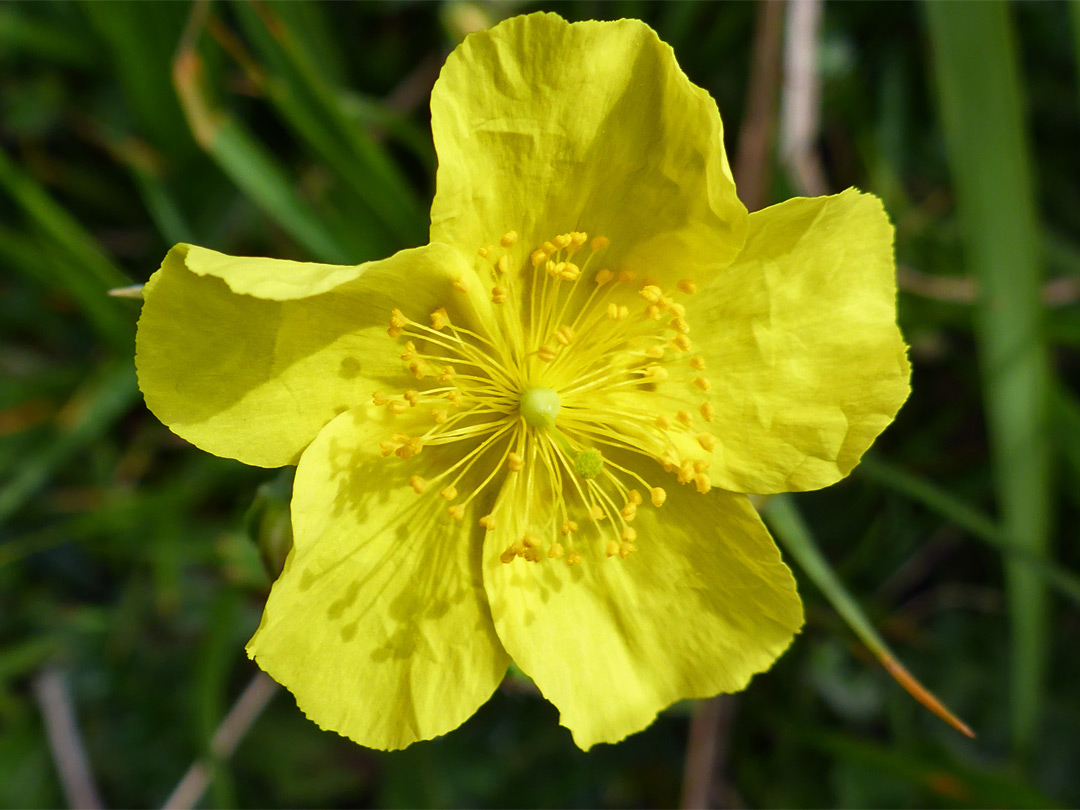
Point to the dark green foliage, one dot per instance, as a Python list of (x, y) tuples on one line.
[(126, 556)]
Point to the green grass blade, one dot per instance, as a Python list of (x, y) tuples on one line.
[(977, 523), (94, 409), (982, 111), (253, 169), (787, 525)]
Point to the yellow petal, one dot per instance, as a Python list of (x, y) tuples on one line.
[(249, 358), (544, 127), (806, 361), (702, 605), (378, 625)]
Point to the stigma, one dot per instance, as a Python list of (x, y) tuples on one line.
[(531, 416)]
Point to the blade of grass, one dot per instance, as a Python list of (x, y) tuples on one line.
[(973, 521), (982, 112), (246, 162), (787, 525), (77, 265), (92, 411)]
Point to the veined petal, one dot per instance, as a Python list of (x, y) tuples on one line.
[(704, 604), (250, 358), (800, 336), (540, 124), (378, 625)]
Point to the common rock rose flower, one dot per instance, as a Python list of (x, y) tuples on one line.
[(528, 439)]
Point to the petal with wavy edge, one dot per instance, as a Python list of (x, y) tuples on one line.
[(249, 358), (704, 604), (378, 625), (544, 126), (806, 361)]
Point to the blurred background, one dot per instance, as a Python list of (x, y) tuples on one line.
[(133, 567)]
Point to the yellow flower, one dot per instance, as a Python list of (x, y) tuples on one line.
[(526, 439)]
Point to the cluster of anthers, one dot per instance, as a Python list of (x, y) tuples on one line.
[(574, 370)]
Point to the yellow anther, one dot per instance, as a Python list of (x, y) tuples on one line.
[(455, 397), (488, 522), (531, 555), (651, 293), (701, 481), (596, 512), (627, 276), (569, 271), (457, 511), (552, 267), (556, 551), (508, 239), (629, 512), (399, 438), (655, 372), (707, 442), (657, 495), (538, 257), (573, 558), (411, 396), (568, 527), (602, 277), (379, 398), (626, 549), (612, 548), (629, 535), (387, 448), (549, 248), (530, 540), (459, 285), (617, 312), (399, 406), (577, 238), (562, 240), (439, 415), (499, 295), (600, 242), (439, 319), (688, 286), (508, 555), (394, 331), (515, 462), (663, 422), (449, 492), (503, 265), (682, 342), (447, 373), (397, 319), (685, 417), (653, 312), (418, 484), (708, 412), (697, 363), (702, 383), (410, 351), (686, 472), (674, 308), (419, 369), (680, 325), (547, 353), (656, 352), (406, 452), (700, 466), (564, 335), (483, 252), (634, 497)]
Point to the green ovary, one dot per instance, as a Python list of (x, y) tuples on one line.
[(539, 407)]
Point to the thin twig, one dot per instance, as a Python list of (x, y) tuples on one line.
[(65, 742), (227, 736), (752, 164), (800, 118), (706, 749)]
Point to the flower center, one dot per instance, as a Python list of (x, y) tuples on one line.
[(599, 351), (539, 407)]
